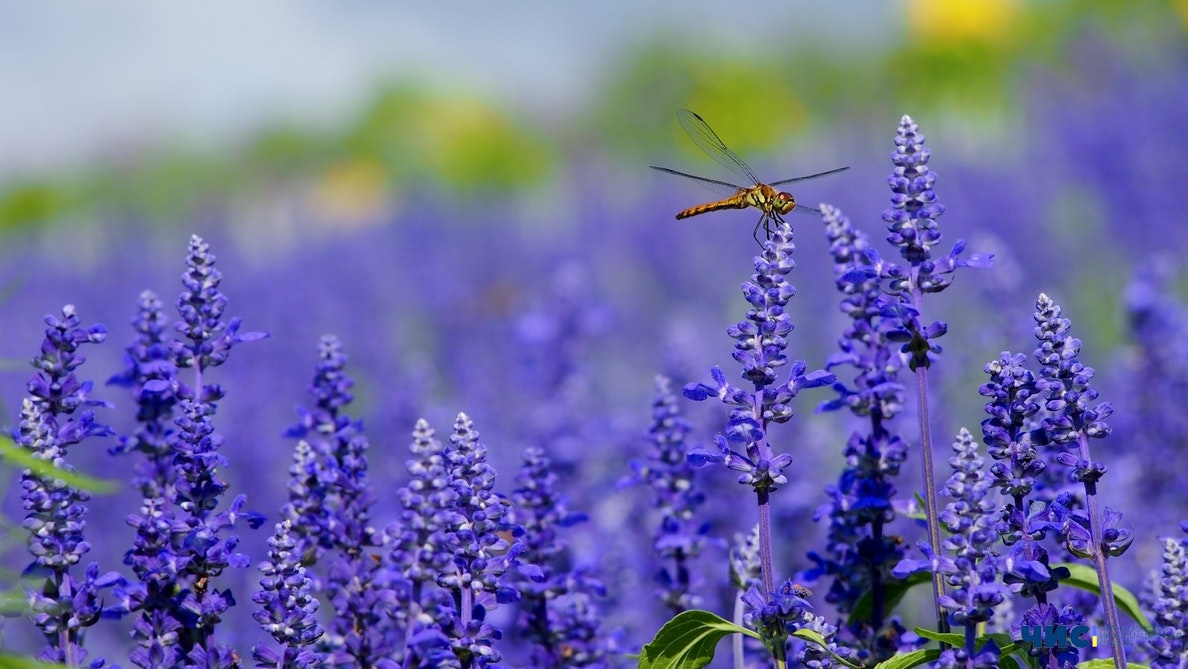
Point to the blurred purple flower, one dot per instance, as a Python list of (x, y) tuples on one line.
[(329, 508), (1169, 647), (558, 614), (149, 372), (667, 471), (859, 553)]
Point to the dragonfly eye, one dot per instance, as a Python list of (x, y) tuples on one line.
[(785, 202)]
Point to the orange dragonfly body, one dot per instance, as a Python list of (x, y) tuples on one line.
[(772, 203)]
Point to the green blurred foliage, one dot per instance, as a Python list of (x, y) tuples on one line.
[(966, 67)]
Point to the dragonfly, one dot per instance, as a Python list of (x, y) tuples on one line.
[(763, 196)]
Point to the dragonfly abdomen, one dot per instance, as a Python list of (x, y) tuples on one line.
[(737, 202)]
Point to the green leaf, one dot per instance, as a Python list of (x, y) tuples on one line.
[(8, 661), (951, 638), (46, 470), (688, 641), (1108, 663), (912, 659), (1006, 646), (893, 593), (1085, 577)]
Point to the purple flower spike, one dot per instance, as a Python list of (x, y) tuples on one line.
[(329, 510), (669, 471), (201, 306), (912, 217), (421, 546), (1074, 420), (1169, 648), (149, 371), (61, 605), (859, 553), (481, 557), (759, 345), (287, 606), (1013, 401), (557, 608), (973, 589)]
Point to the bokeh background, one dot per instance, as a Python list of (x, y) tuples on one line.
[(460, 192)]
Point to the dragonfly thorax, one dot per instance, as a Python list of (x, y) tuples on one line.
[(770, 200)]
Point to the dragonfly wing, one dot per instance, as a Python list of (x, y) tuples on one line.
[(706, 140), (714, 185), (811, 176)]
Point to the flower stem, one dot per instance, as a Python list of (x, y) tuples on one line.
[(765, 559), (1099, 562), (931, 505)]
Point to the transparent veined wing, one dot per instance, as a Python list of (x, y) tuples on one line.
[(706, 140)]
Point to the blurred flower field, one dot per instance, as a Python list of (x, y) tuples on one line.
[(498, 417)]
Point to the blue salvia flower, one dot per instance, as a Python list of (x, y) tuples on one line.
[(912, 228), (481, 556), (1169, 648), (760, 341), (972, 573), (1042, 615), (420, 545), (1022, 475), (776, 616), (973, 591), (859, 553), (288, 607), (149, 372), (1073, 421), (759, 346), (330, 507), (557, 611), (201, 307), (987, 657), (54, 417), (912, 222), (203, 539), (1008, 432), (676, 496), (155, 594)]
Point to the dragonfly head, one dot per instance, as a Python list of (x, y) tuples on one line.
[(783, 202)]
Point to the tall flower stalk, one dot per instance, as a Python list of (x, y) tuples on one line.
[(1073, 422), (329, 507), (475, 576), (557, 601), (912, 227), (678, 541), (182, 541), (55, 416), (860, 552), (760, 342)]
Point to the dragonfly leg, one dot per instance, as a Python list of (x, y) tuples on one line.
[(762, 222)]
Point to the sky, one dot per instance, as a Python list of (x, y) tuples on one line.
[(80, 81)]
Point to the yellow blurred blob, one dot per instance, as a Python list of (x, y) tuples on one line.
[(351, 192), (472, 145), (1181, 7), (955, 21)]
